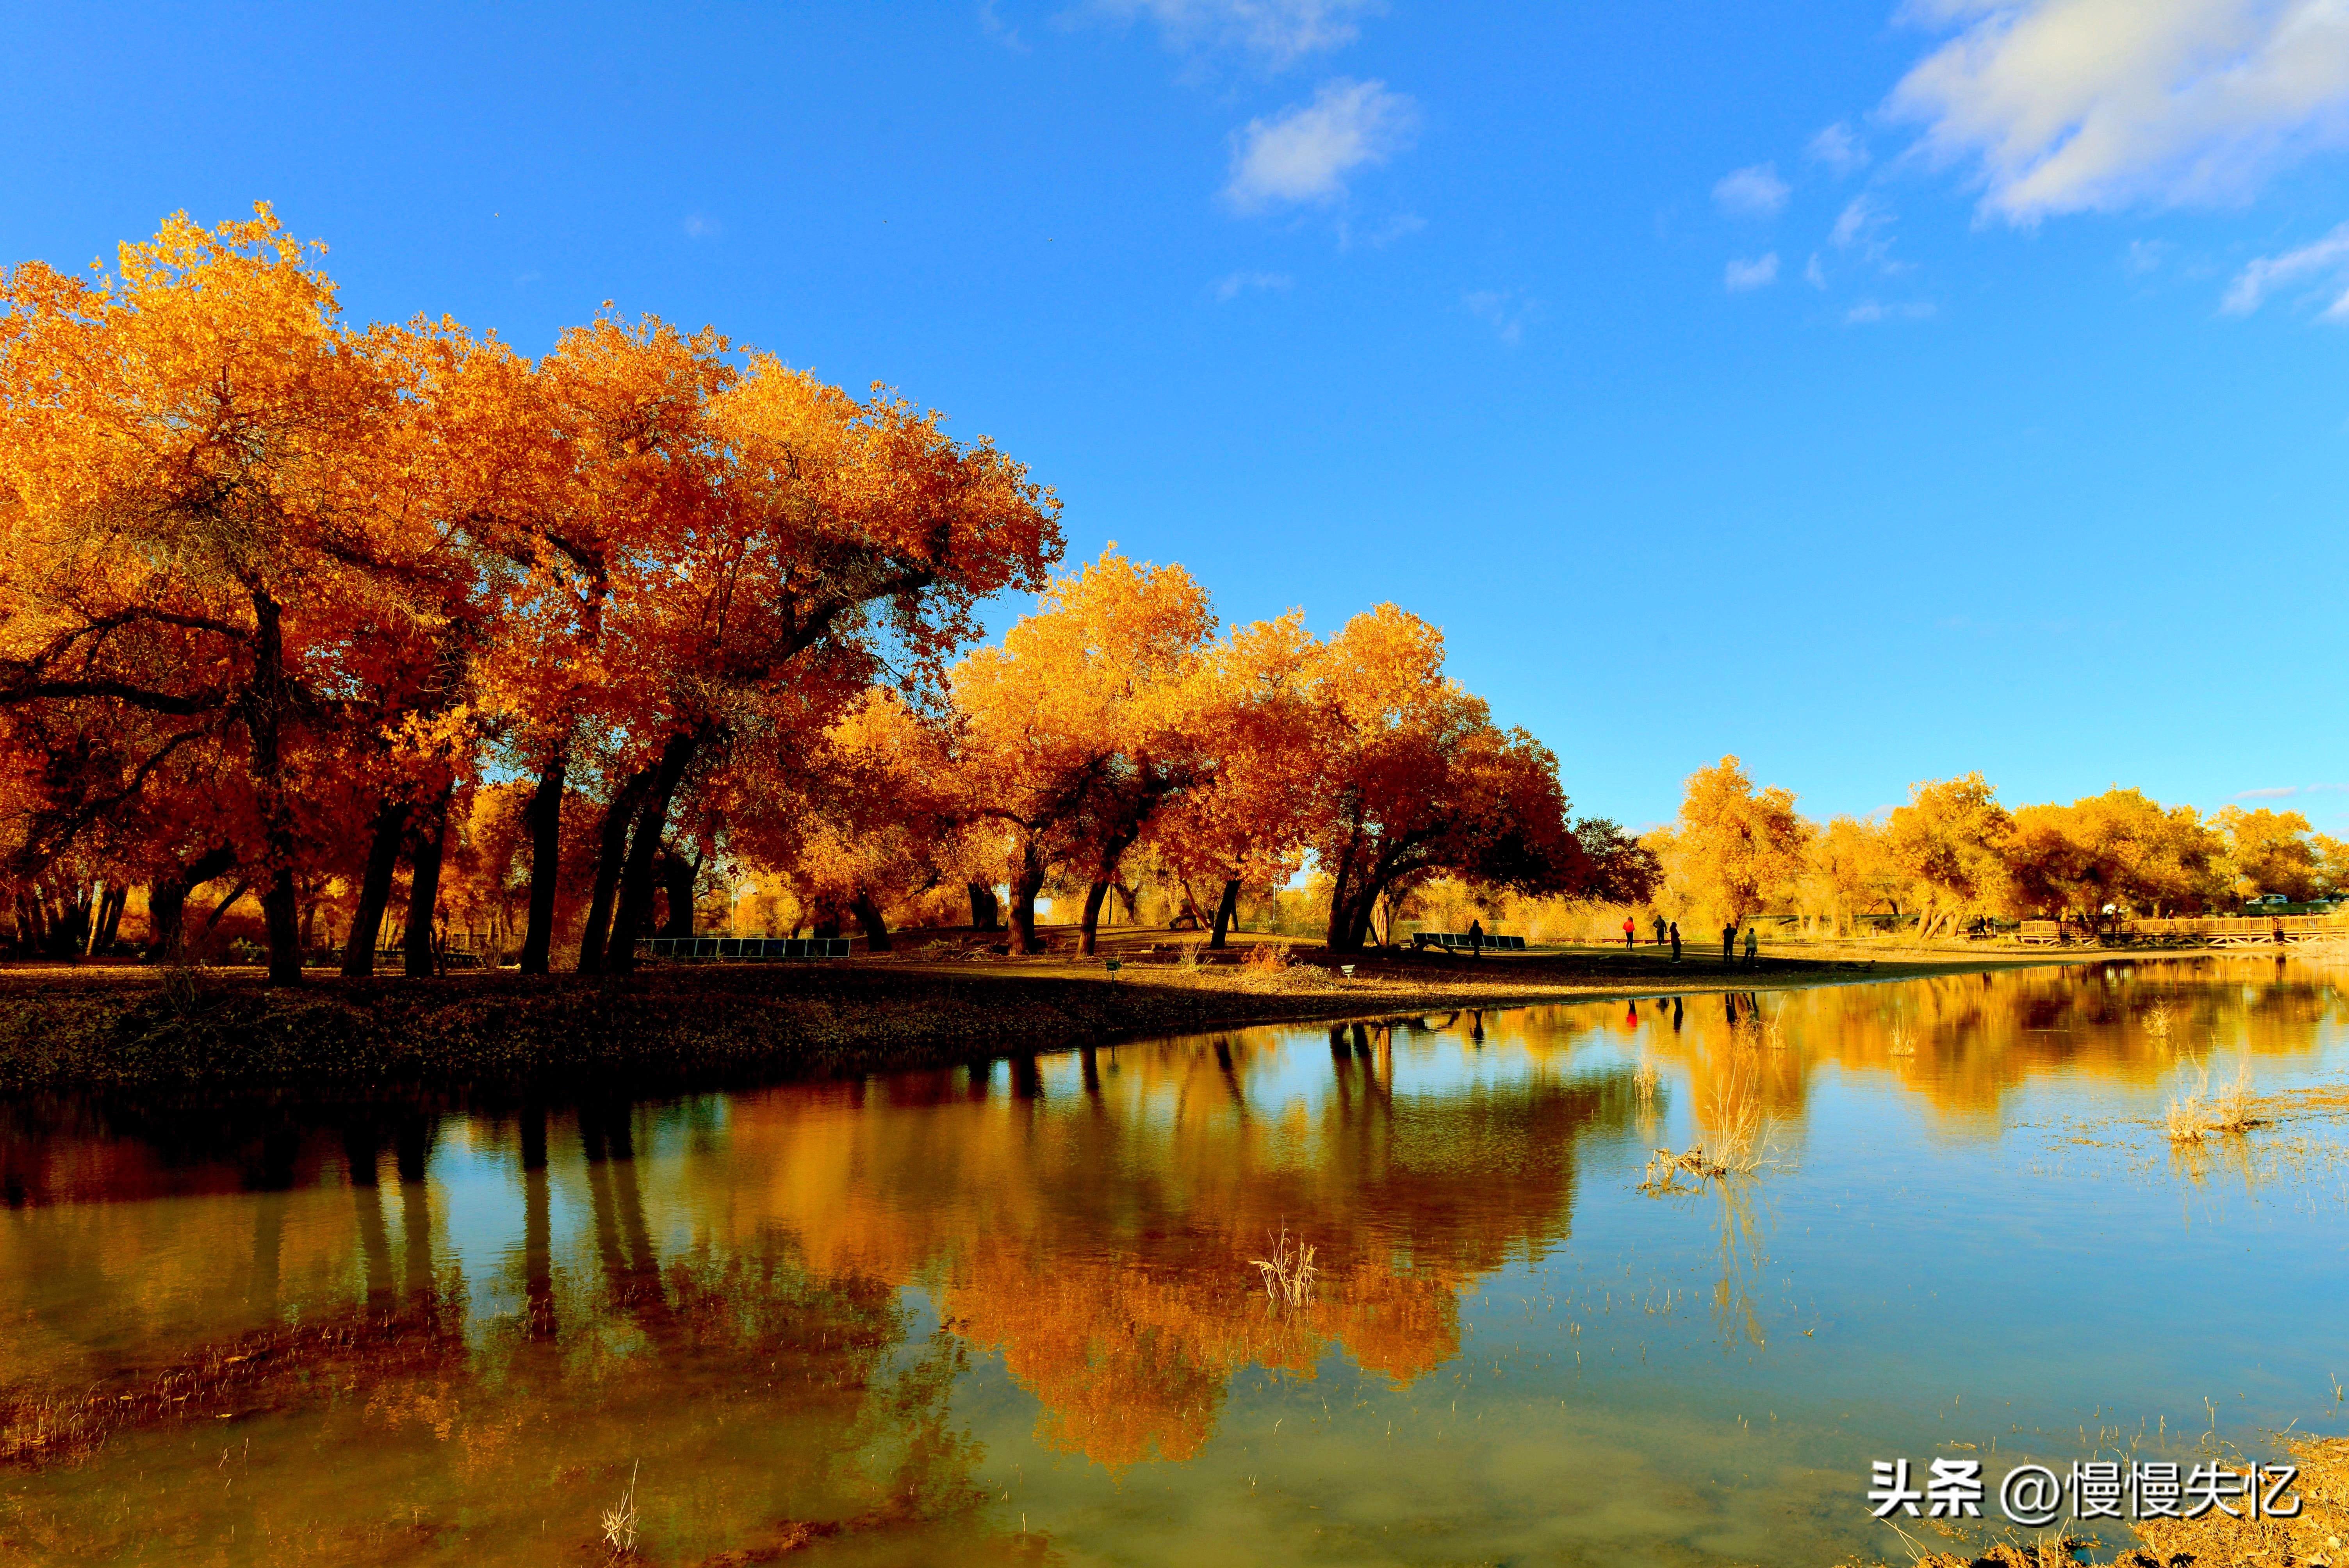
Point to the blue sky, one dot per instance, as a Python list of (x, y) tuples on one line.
[(1874, 391)]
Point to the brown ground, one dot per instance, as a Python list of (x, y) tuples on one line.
[(2318, 1538), (942, 998)]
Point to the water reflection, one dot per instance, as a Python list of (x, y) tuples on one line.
[(456, 1326)]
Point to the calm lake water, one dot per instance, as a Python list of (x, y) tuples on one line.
[(1007, 1314)]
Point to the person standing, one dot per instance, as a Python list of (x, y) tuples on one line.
[(1753, 945), (1729, 944), (1475, 939), (1629, 941), (1676, 941), (1660, 931)]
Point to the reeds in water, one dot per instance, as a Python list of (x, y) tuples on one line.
[(620, 1523), (2209, 1113), (1288, 1274)]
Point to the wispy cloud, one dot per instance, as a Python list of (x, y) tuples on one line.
[(1277, 33), (1754, 191), (2286, 791), (1865, 225), (1231, 285), (1509, 314), (1868, 312), (1839, 150), (2065, 106), (1813, 273), (1305, 152), (1742, 275), (701, 226), (1380, 234), (2324, 262), (997, 29)]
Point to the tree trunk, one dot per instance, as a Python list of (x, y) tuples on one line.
[(545, 857), (265, 707), (374, 889), (635, 917), (1091, 924), (1026, 883), (1225, 909), (985, 913), (424, 886), (110, 917), (610, 852), (868, 916), (167, 903), (677, 877)]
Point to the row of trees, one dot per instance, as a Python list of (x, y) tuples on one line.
[(378, 624), (1953, 853)]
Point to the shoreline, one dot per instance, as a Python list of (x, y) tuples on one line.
[(694, 1026)]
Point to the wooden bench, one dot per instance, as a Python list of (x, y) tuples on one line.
[(1458, 941), (744, 949)]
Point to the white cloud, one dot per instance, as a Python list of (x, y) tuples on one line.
[(1754, 191), (2325, 261), (1231, 285), (1840, 150), (2145, 256), (1382, 234), (1869, 311), (1276, 32), (1815, 274), (2065, 106), (1305, 152), (1861, 215), (1510, 314), (1759, 273)]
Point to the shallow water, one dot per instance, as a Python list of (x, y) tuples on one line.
[(1008, 1313)]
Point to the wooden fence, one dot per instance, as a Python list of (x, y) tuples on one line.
[(2216, 931)]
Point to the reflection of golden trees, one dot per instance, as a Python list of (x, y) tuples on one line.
[(1972, 1038)]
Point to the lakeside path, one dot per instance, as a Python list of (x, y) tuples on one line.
[(690, 1027)]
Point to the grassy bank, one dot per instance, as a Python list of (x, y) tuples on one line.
[(711, 1024)]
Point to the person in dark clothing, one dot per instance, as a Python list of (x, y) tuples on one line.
[(1660, 931), (1676, 941), (1475, 939), (1729, 942)]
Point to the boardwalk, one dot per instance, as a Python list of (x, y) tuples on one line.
[(2215, 931)]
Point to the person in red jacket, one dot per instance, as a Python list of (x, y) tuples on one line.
[(1629, 938)]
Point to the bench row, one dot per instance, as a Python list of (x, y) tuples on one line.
[(1454, 941), (747, 949)]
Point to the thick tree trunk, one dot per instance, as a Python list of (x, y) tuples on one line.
[(391, 826), (985, 913), (868, 916), (1226, 908), (424, 886), (635, 917), (109, 920), (610, 854), (1026, 883), (1092, 926), (167, 903), (677, 877), (265, 707), (545, 857)]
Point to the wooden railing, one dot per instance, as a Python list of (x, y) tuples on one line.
[(2218, 931)]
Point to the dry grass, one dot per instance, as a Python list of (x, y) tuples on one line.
[(2319, 1535), (1645, 1081), (2205, 1113), (2157, 1018), (1289, 1274), (1731, 1108), (620, 1523), (1903, 1043)]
